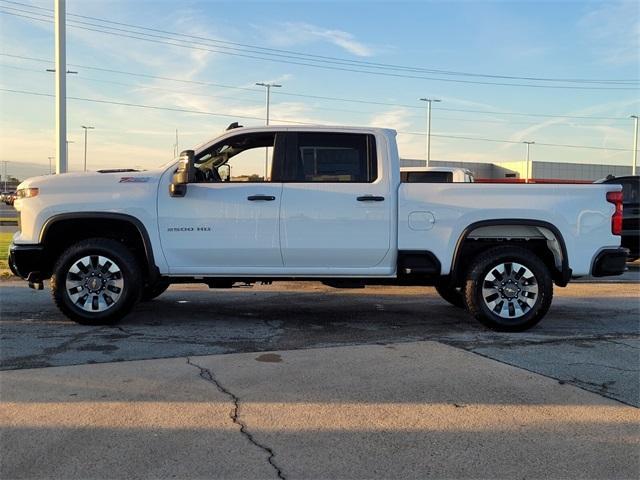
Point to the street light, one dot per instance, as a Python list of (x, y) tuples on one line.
[(635, 144), (85, 144), (268, 87), (527, 162), (50, 158), (429, 101)]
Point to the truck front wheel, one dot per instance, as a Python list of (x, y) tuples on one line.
[(96, 281), (508, 289)]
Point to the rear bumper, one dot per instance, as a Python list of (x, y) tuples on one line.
[(26, 260), (610, 262)]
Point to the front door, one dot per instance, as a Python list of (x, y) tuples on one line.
[(335, 217), (228, 221)]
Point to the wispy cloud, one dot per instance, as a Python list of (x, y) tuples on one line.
[(291, 34), (613, 28)]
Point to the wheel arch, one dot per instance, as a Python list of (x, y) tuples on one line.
[(517, 229), (98, 221)]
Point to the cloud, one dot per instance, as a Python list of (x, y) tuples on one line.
[(613, 28), (289, 34)]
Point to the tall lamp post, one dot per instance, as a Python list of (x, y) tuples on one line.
[(268, 87), (429, 102), (528, 176), (85, 144), (635, 144)]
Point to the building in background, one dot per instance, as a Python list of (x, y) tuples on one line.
[(541, 171)]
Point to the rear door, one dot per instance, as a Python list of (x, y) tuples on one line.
[(335, 210)]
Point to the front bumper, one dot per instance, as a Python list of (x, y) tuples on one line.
[(610, 262), (26, 261)]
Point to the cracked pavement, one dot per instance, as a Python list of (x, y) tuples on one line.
[(590, 338), (412, 410)]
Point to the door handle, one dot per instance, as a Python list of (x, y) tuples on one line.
[(370, 198), (267, 198)]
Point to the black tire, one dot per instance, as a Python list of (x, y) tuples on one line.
[(149, 292), (526, 296), (118, 278), (451, 294)]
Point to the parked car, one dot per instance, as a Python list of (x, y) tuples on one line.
[(630, 213), (331, 208), (9, 197), (436, 175)]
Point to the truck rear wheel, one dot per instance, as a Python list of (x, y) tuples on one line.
[(96, 281), (508, 289)]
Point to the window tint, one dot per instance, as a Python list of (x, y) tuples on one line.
[(426, 177), (335, 157), (630, 191)]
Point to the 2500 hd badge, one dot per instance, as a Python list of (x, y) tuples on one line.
[(189, 229)]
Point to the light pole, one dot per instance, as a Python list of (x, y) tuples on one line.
[(5, 175), (50, 158), (527, 161), (61, 87), (429, 102), (268, 87), (85, 144), (635, 144)]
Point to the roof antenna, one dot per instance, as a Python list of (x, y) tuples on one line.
[(234, 125)]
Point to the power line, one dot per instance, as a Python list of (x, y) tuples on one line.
[(255, 102), (328, 59), (319, 97), (481, 139), (153, 107), (216, 114), (143, 37)]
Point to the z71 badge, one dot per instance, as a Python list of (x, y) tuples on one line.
[(134, 179)]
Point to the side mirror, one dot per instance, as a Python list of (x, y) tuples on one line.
[(184, 175)]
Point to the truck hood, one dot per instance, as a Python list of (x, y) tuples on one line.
[(92, 181)]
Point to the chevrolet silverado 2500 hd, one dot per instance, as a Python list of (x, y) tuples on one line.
[(309, 203)]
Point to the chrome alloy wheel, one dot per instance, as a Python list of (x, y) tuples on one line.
[(510, 290), (94, 283)]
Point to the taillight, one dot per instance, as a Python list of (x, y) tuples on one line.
[(616, 219)]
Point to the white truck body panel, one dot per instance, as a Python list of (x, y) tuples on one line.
[(577, 211), (317, 229)]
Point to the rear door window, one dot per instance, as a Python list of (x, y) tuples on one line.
[(332, 158)]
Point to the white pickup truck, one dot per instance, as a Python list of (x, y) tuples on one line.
[(309, 203)]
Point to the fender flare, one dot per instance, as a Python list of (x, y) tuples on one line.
[(564, 274), (153, 270)]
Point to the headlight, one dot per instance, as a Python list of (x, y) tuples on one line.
[(27, 192)]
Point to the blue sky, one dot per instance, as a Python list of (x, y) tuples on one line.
[(584, 40)]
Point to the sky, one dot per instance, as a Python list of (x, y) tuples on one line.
[(457, 52)]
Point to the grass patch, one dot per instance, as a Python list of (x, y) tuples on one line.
[(5, 240)]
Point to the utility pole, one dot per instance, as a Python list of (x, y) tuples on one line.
[(50, 158), (429, 102), (5, 175), (61, 87), (635, 144), (528, 176), (268, 87), (176, 150), (85, 144)]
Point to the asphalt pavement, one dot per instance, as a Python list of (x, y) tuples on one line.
[(590, 338)]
